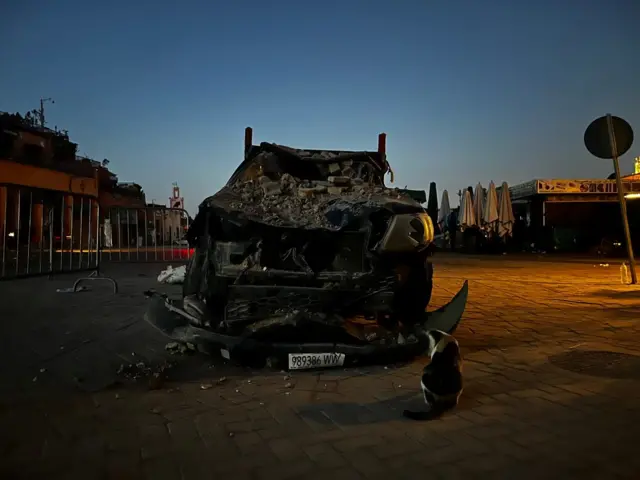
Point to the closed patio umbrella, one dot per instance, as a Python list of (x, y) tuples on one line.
[(506, 219), (445, 211), (467, 217), (490, 211), (478, 203)]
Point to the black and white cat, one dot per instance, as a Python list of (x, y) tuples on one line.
[(441, 380)]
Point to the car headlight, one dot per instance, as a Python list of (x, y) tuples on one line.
[(407, 232)]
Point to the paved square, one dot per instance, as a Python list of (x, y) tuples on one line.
[(552, 370)]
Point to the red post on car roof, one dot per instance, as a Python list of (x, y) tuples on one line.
[(248, 139), (382, 144)]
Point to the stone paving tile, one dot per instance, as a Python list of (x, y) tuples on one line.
[(552, 372)]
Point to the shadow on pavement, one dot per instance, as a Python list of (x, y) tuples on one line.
[(350, 413), (597, 363), (390, 409), (618, 294)]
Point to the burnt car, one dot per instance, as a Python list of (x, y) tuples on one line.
[(306, 257)]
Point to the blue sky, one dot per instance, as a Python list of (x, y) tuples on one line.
[(466, 91)]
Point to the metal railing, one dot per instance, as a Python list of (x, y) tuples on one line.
[(149, 234), (44, 232)]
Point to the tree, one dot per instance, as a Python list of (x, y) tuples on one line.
[(31, 118), (432, 203)]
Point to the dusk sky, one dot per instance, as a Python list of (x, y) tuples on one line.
[(466, 91)]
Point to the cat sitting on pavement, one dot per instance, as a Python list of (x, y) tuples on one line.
[(441, 380)]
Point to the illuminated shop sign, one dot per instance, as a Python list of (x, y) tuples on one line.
[(583, 186)]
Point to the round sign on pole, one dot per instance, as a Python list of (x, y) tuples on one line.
[(597, 141), (610, 137)]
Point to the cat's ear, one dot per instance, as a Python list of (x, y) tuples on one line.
[(435, 337), (432, 343), (444, 342)]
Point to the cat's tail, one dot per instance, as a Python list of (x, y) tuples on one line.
[(423, 416)]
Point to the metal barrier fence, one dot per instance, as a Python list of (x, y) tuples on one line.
[(150, 234), (44, 232)]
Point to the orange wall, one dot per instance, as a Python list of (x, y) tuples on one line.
[(29, 176)]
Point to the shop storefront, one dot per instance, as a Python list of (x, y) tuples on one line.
[(574, 215)]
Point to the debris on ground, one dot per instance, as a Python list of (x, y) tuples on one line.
[(173, 276), (179, 348), (272, 362), (72, 290), (155, 374), (156, 381), (206, 386)]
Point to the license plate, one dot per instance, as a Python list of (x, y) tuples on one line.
[(302, 361)]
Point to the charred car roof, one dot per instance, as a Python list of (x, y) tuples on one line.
[(375, 159)]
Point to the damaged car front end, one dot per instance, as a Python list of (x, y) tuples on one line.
[(307, 259)]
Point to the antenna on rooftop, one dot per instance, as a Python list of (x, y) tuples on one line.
[(41, 111)]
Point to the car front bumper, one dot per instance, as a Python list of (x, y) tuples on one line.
[(173, 322)]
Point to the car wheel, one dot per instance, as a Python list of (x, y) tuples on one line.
[(193, 275), (414, 294)]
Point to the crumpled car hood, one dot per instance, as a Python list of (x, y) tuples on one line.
[(331, 212)]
